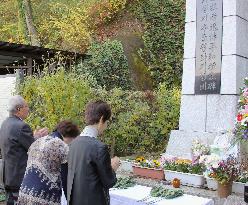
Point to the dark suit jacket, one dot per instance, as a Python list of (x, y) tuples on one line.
[(15, 139), (90, 174)]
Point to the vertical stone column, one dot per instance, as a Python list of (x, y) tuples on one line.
[(205, 116)]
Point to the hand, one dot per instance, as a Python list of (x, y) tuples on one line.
[(41, 132), (115, 163)]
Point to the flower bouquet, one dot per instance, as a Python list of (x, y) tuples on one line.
[(199, 149), (224, 171), (148, 168), (241, 128)]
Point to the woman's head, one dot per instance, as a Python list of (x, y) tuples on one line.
[(98, 113), (68, 130)]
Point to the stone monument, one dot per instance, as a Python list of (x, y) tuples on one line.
[(215, 64)]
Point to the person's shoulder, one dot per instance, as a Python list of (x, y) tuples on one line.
[(100, 145), (15, 122), (90, 141)]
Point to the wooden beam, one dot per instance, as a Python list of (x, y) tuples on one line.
[(14, 67), (15, 54)]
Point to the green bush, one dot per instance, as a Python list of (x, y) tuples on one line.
[(141, 121), (107, 64), (163, 38), (55, 97)]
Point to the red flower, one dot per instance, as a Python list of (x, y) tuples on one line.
[(239, 117)]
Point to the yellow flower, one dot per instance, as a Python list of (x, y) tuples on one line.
[(183, 161), (157, 163), (140, 159)]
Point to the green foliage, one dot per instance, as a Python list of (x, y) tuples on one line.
[(141, 121), (8, 19), (163, 38), (55, 97), (107, 64), (185, 167), (160, 191), (124, 183)]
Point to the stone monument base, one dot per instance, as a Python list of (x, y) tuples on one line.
[(180, 142)]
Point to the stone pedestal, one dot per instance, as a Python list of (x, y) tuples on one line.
[(205, 116)]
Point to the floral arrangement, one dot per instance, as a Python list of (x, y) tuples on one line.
[(124, 183), (241, 128), (222, 170), (163, 192), (141, 161), (198, 149), (182, 165)]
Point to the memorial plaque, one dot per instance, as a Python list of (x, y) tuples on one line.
[(209, 23)]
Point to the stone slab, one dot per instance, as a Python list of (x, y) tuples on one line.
[(235, 8), (193, 112), (190, 11), (234, 70), (188, 80), (235, 36), (190, 40), (180, 142), (229, 75), (242, 37), (241, 8), (229, 35), (230, 7), (221, 112)]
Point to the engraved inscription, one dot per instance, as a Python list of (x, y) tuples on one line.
[(208, 46)]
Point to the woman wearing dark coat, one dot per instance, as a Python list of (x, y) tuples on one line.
[(41, 184), (91, 172)]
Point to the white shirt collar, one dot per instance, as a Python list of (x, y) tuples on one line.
[(90, 131)]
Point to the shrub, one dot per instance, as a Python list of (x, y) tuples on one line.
[(107, 64), (55, 97), (141, 121)]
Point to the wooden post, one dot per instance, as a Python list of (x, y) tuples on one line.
[(30, 66)]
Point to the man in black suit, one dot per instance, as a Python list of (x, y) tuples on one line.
[(15, 139), (91, 172)]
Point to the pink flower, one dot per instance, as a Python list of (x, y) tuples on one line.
[(246, 109), (245, 92)]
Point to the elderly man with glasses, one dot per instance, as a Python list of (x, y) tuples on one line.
[(16, 136)]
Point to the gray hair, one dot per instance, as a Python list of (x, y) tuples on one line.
[(15, 102)]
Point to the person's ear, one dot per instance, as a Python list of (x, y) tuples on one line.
[(101, 120)]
